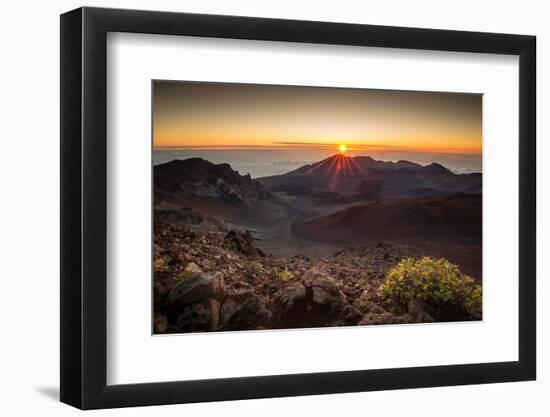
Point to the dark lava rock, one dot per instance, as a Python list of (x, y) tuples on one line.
[(316, 301), (194, 303), (242, 243), (417, 312), (160, 323), (251, 314), (380, 318), (199, 317), (197, 288)]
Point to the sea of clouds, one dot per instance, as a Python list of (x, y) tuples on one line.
[(265, 162)]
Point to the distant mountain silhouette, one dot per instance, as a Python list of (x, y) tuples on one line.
[(367, 177)]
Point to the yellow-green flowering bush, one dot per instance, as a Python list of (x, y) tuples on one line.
[(284, 275), (437, 283)]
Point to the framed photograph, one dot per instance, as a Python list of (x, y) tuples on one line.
[(257, 208)]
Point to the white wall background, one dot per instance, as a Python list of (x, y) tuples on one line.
[(29, 237)]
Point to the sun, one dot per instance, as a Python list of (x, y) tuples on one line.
[(342, 148)]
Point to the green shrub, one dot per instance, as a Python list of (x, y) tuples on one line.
[(437, 283)]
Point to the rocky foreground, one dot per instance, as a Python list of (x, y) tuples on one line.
[(211, 278)]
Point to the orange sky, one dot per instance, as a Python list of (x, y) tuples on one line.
[(190, 114)]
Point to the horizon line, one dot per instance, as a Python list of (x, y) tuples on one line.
[(323, 146)]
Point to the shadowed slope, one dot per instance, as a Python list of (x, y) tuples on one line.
[(457, 216)]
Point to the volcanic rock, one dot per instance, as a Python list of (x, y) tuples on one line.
[(251, 314), (197, 288)]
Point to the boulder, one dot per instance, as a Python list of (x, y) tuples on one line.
[(314, 278), (241, 243), (199, 317), (160, 323), (161, 263), (380, 318), (316, 301), (197, 288), (194, 303), (367, 301), (322, 296), (241, 285), (352, 292), (228, 308), (240, 295), (251, 314), (193, 268), (416, 312), (289, 296), (368, 307), (234, 301), (162, 285)]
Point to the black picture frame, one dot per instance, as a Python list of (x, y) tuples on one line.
[(84, 207)]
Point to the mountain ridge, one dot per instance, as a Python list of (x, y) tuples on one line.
[(197, 177), (372, 178)]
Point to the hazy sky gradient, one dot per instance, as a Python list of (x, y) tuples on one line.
[(191, 114)]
